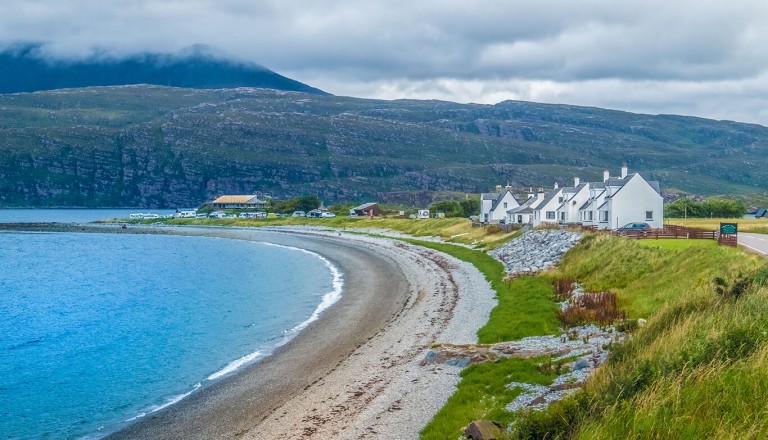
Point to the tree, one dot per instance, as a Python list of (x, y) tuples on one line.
[(714, 208)]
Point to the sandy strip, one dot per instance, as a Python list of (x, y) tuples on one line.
[(354, 373)]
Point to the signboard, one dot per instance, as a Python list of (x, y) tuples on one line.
[(729, 228)]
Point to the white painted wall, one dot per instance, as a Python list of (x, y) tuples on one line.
[(631, 203), (506, 203)]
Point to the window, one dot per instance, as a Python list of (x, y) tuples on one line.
[(604, 216), (649, 215), (559, 200), (505, 205), (550, 215), (589, 216), (562, 216)]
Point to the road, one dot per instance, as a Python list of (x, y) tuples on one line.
[(754, 242)]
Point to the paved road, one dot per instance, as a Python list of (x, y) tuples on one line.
[(754, 242)]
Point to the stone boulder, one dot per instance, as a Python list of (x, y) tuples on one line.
[(483, 430)]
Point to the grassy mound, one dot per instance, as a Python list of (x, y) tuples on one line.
[(697, 370)]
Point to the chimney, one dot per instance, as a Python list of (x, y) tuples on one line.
[(556, 185), (624, 170), (498, 188), (508, 187), (576, 181), (606, 175)]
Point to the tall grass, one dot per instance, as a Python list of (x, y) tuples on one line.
[(758, 225), (647, 277), (697, 370)]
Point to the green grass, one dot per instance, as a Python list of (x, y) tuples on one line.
[(699, 369), (525, 306), (483, 394), (645, 275), (677, 244)]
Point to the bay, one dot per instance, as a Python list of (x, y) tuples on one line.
[(99, 329)]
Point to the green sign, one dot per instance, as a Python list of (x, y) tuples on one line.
[(729, 228)]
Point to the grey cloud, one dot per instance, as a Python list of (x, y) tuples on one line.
[(453, 49)]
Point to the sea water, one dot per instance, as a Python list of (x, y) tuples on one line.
[(97, 330), (74, 215)]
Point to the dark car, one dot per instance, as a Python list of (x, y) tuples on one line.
[(634, 228)]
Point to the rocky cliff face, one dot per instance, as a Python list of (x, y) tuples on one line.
[(163, 147)]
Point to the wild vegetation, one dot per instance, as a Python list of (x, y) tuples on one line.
[(706, 336), (710, 208), (692, 371), (153, 146)]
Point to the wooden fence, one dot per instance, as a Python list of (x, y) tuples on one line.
[(671, 231)]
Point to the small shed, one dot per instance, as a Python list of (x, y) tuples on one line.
[(762, 212), (366, 210)]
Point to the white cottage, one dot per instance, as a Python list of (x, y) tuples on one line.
[(631, 199), (574, 198), (523, 214), (494, 206), (546, 210), (609, 204)]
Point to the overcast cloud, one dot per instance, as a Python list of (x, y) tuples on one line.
[(702, 58)]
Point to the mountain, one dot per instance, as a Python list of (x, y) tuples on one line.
[(153, 146), (23, 69)]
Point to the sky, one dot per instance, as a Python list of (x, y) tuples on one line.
[(700, 58)]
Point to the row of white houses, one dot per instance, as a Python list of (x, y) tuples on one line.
[(609, 204)]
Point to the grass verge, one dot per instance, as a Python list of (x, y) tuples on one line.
[(525, 304), (483, 394), (699, 366)]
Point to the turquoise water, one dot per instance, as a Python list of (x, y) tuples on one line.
[(99, 329)]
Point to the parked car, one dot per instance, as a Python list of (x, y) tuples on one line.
[(298, 214), (634, 228), (328, 215)]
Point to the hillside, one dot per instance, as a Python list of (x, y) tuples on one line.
[(156, 146), (21, 70)]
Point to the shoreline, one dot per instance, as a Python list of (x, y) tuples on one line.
[(353, 373)]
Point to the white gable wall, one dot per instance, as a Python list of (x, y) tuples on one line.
[(632, 202), (504, 204), (485, 209), (547, 212), (572, 205), (590, 215)]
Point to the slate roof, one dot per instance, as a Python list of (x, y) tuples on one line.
[(501, 196), (547, 198)]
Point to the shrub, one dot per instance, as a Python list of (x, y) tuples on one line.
[(563, 288), (591, 308), (735, 289)]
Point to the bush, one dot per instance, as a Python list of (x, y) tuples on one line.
[(591, 308)]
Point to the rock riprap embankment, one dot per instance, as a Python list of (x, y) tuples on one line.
[(535, 251)]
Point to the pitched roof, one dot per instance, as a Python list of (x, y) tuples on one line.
[(522, 209), (547, 198), (236, 199), (364, 206), (500, 197)]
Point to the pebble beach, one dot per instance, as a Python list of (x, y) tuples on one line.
[(356, 372)]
